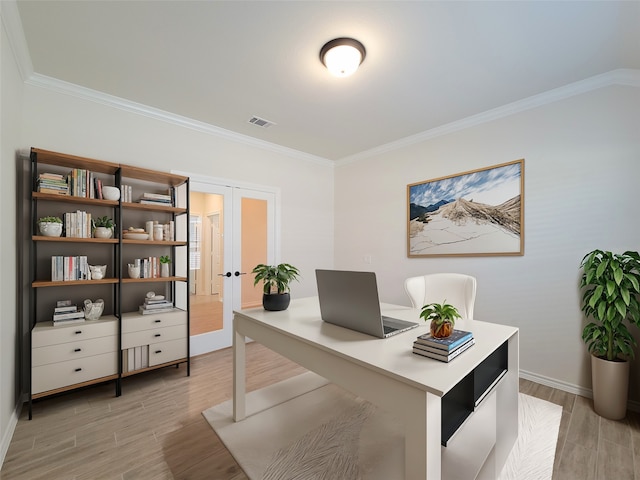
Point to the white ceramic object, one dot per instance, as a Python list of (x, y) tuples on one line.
[(98, 272), (102, 232), (93, 310), (135, 236), (164, 270), (50, 229), (110, 193), (134, 272)]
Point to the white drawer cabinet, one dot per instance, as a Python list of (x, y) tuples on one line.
[(167, 351), (72, 354), (165, 334)]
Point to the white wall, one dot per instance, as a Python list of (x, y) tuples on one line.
[(582, 164), (11, 88), (60, 122)]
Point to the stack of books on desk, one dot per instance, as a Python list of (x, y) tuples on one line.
[(443, 349)]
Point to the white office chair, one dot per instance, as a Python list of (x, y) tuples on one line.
[(457, 289)]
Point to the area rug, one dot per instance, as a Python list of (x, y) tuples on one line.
[(307, 428)]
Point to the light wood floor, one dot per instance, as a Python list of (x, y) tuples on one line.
[(155, 430)]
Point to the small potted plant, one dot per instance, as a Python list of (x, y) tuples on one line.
[(50, 226), (443, 318), (164, 265), (276, 279), (611, 285), (102, 227)]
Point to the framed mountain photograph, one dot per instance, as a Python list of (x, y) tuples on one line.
[(476, 213)]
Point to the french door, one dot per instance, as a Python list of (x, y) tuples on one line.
[(233, 228)]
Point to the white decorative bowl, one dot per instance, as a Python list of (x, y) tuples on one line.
[(135, 236), (110, 193), (50, 229)]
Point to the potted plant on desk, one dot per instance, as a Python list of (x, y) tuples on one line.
[(443, 318), (611, 284), (103, 227), (276, 279)]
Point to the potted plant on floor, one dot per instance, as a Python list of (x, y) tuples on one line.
[(443, 318), (611, 284), (276, 279)]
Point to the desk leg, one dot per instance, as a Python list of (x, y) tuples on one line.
[(239, 377), (422, 456)]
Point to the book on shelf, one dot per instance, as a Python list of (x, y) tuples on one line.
[(157, 305), (66, 309), (443, 356), (457, 338), (57, 323), (68, 315), (145, 311), (64, 269)]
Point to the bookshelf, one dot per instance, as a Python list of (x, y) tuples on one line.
[(65, 355)]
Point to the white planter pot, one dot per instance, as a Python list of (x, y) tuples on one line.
[(164, 269), (50, 229), (102, 232), (610, 383)]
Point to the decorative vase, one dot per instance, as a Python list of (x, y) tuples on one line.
[(275, 302), (134, 270), (93, 310), (97, 272), (610, 383), (50, 229), (102, 232), (110, 193), (164, 269), (442, 330)]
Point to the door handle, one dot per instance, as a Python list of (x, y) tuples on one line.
[(228, 274), (237, 273)]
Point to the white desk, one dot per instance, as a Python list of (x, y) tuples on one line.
[(388, 374)]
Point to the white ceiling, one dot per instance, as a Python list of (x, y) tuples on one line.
[(428, 64)]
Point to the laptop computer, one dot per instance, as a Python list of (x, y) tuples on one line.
[(350, 299)]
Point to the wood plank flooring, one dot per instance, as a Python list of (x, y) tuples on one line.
[(155, 430)]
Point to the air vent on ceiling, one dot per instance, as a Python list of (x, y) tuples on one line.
[(261, 122)]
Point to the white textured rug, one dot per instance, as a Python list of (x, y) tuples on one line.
[(306, 428)]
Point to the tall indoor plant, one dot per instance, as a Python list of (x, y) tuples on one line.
[(276, 279), (611, 284)]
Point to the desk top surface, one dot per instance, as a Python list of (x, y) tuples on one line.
[(391, 356)]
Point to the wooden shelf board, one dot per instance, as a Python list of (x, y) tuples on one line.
[(154, 208), (158, 279), (73, 199), (42, 238), (72, 161), (48, 283)]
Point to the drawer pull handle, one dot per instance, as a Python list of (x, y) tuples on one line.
[(158, 351), (158, 321), (78, 332), (78, 369), (157, 335), (78, 350)]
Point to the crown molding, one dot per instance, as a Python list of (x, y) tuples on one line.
[(626, 77), (18, 43), (95, 96)]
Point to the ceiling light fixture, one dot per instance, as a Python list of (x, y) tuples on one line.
[(342, 56)]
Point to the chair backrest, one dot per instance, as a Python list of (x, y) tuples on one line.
[(457, 289)]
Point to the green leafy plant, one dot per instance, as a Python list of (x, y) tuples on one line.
[(440, 315), (612, 284), (103, 222), (276, 278), (50, 220), (165, 259)]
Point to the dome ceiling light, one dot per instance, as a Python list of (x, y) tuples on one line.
[(342, 56)]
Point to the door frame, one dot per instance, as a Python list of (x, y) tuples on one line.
[(212, 341)]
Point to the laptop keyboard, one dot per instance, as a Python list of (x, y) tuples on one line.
[(388, 329)]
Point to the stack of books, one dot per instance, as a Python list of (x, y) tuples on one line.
[(52, 183), (66, 313), (443, 349), (156, 304), (156, 199)]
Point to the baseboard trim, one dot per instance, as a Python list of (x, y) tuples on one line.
[(632, 405), (8, 434)]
